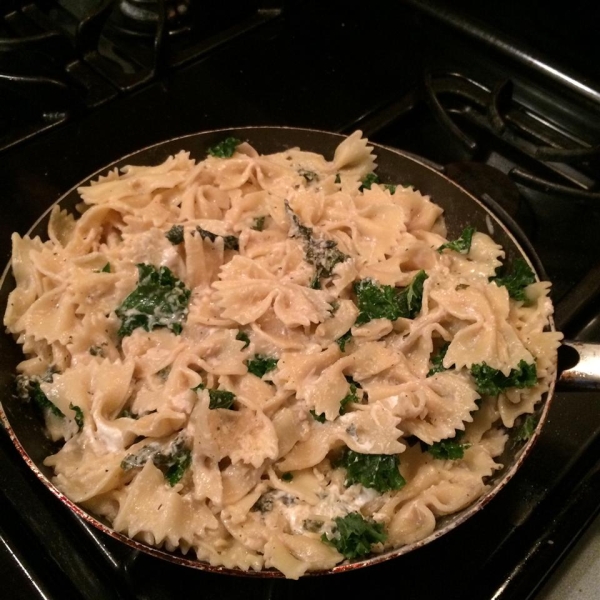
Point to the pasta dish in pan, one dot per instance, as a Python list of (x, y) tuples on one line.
[(274, 361)]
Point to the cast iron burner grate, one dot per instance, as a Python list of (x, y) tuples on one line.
[(61, 58)]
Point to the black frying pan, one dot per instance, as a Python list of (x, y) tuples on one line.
[(25, 426)]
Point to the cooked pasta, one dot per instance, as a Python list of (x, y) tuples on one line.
[(273, 361)]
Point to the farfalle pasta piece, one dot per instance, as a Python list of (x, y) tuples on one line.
[(245, 292)]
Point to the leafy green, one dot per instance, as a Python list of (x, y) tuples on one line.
[(217, 398), (242, 336), (126, 413), (354, 535), (28, 388), (264, 503), (141, 457), (391, 187), (313, 525), (175, 463), (376, 301), (437, 360), (526, 428), (308, 175), (221, 399), (386, 302), (337, 179), (411, 297), (230, 242), (259, 223), (350, 397), (462, 244), (491, 382), (377, 471), (105, 268), (261, 364), (352, 381), (517, 280), (320, 418), (96, 351), (322, 254), (342, 341), (368, 181), (449, 449), (160, 300), (78, 415), (287, 476), (41, 400), (175, 234), (225, 148), (172, 461)]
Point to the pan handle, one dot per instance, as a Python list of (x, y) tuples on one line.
[(579, 366)]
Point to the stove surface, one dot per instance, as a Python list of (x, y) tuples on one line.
[(421, 76)]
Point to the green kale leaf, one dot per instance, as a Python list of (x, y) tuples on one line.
[(261, 364), (175, 234), (322, 254), (221, 399), (342, 341), (376, 301), (287, 476), (41, 400), (385, 302), (172, 461), (230, 242), (354, 535), (225, 148), (350, 397), (491, 382), (242, 336), (411, 297), (126, 413), (368, 181), (160, 300), (390, 187), (217, 398), (517, 280), (28, 388), (526, 428), (377, 471), (437, 361), (174, 464), (105, 268), (78, 415), (259, 223), (320, 418), (313, 525), (449, 449), (462, 244)]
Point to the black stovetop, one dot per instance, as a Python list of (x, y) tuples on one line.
[(458, 86)]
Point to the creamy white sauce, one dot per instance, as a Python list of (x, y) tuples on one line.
[(335, 502)]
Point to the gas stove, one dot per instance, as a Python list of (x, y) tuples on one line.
[(504, 100)]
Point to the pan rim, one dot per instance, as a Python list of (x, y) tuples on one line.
[(456, 519)]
